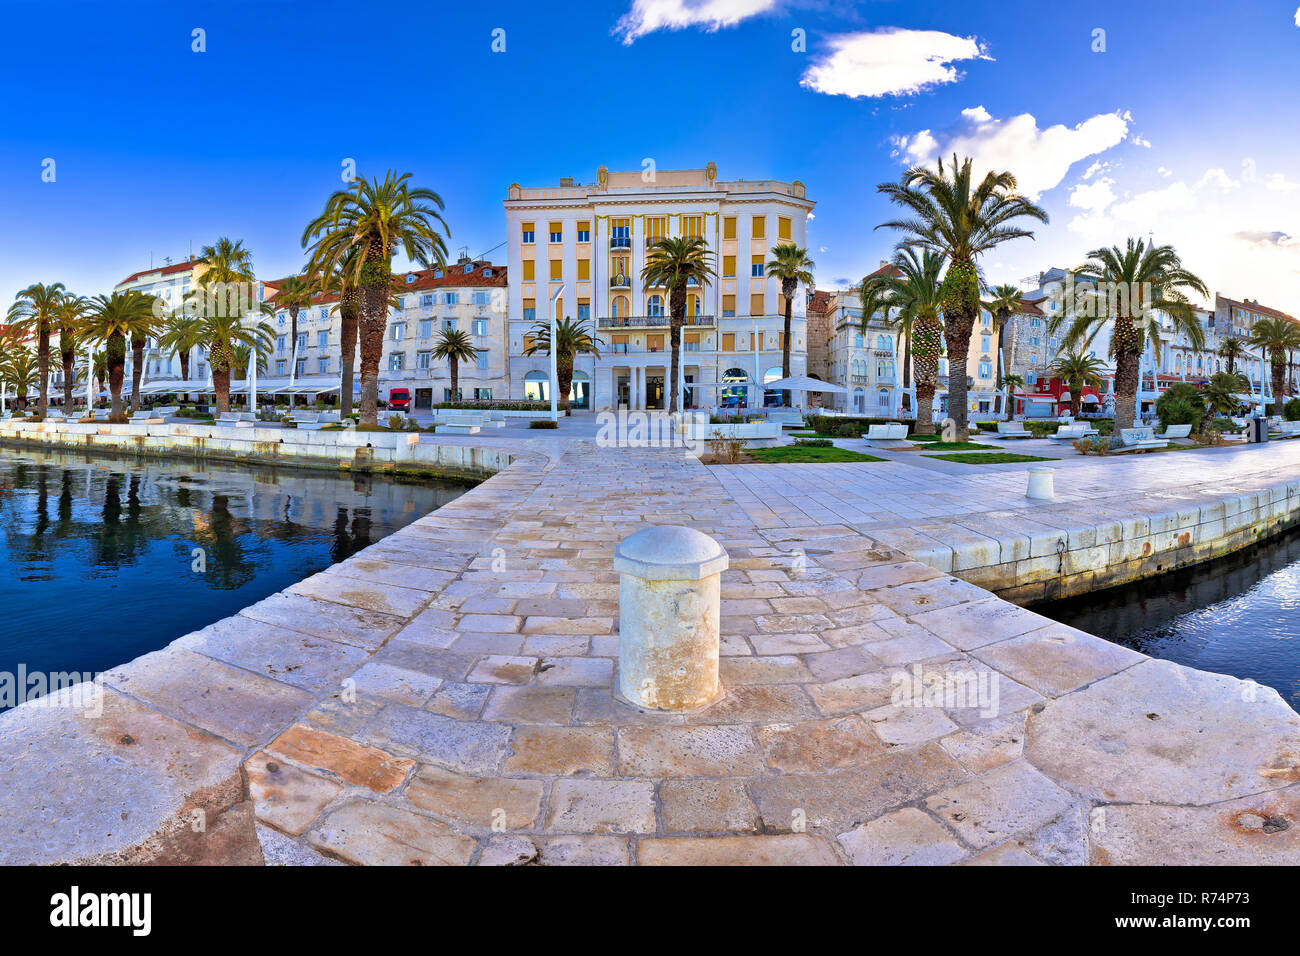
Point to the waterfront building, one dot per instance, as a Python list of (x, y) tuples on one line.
[(585, 246)]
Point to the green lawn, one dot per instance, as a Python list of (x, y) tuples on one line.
[(793, 454), (988, 458), (958, 446)]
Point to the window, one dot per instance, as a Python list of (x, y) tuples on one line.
[(728, 227), (397, 331), (426, 300), (481, 361), (756, 304), (483, 394), (758, 227), (556, 231), (447, 396), (529, 234), (584, 310), (530, 342), (280, 367), (396, 361), (481, 328), (728, 341), (323, 339), (584, 268), (410, 277), (729, 266), (783, 227), (487, 273), (401, 302), (279, 342), (324, 313), (301, 366), (323, 366), (424, 360), (426, 328), (449, 325), (756, 267), (557, 270), (584, 231), (302, 341), (986, 369), (655, 306), (857, 340), (985, 343), (451, 298), (530, 310), (482, 298), (728, 306), (530, 269)]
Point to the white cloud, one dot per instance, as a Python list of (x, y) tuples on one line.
[(1278, 183), (647, 16), (1142, 141), (1040, 159), (1297, 16), (1217, 177), (1094, 197), (889, 62), (1164, 171), (1097, 167)]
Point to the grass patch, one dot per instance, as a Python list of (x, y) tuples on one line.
[(958, 446), (791, 454), (989, 458)]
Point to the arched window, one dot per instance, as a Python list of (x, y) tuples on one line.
[(859, 400), (537, 386), (655, 306), (620, 307), (882, 343), (736, 391), (772, 397), (857, 340), (882, 399), (693, 303)]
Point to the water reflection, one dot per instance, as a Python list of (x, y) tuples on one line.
[(105, 559), (1238, 615)]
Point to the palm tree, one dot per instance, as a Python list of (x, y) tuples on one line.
[(1277, 337), (455, 346), (1004, 302), (20, 368), (139, 339), (72, 312), (1077, 370), (1159, 283), (1232, 349), (112, 319), (570, 339), (1011, 381), (340, 282), (791, 266), (294, 294), (909, 296), (372, 220), (225, 334), (227, 297), (36, 311), (1221, 392), (674, 264), (180, 335), (950, 214)]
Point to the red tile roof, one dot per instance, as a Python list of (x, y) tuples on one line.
[(820, 301), (172, 269), (450, 277), (1256, 307), (1029, 306)]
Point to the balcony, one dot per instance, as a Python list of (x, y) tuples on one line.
[(651, 321), (620, 282), (620, 242)]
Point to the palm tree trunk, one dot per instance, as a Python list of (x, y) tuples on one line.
[(137, 369), (221, 385), (455, 377), (1278, 363), (43, 361), (1126, 389), (116, 374), (348, 306), (183, 355), (961, 308), (371, 328), (69, 357), (788, 289), (564, 378), (675, 358), (925, 406)]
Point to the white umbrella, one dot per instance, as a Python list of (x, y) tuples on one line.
[(802, 383)]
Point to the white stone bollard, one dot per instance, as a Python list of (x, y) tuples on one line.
[(668, 603), (1040, 484)]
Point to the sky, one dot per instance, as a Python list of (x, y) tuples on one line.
[(126, 136)]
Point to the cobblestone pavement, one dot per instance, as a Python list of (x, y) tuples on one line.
[(446, 696)]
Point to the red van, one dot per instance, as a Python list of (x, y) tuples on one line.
[(399, 399)]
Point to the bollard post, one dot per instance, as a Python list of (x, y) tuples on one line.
[(669, 592), (1040, 484)]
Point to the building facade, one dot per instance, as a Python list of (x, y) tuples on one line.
[(584, 247)]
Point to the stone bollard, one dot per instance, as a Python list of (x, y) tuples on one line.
[(1040, 484), (668, 599)]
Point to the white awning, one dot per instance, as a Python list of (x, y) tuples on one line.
[(802, 383)]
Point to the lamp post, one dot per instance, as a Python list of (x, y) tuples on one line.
[(555, 378), (90, 380)]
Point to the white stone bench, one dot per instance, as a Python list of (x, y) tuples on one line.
[(1073, 432), (891, 435), (1012, 430), (458, 428), (1288, 429), (1140, 439), (1176, 431), (235, 420)]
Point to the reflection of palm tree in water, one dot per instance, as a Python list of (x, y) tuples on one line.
[(228, 565), (350, 537)]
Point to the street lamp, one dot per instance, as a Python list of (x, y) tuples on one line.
[(555, 379)]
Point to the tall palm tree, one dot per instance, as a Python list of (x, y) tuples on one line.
[(570, 339), (1159, 283), (1077, 370), (340, 282), (1277, 337), (225, 334), (1232, 349), (374, 219), (294, 294), (1011, 381), (1004, 302), (909, 295), (139, 339), (36, 311), (455, 346), (951, 214), (1221, 392), (227, 286), (72, 312), (674, 264), (791, 266), (112, 319)]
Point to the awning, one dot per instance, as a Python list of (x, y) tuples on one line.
[(802, 383)]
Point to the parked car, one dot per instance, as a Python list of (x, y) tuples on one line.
[(399, 399)]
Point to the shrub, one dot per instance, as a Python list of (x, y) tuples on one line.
[(542, 423), (397, 422), (1100, 445), (987, 426), (1041, 429), (506, 404), (1181, 404), (726, 448), (814, 443), (1224, 425), (1291, 410), (830, 425)]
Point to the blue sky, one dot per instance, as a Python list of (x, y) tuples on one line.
[(1183, 127)]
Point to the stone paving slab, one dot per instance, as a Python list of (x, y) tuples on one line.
[(446, 697)]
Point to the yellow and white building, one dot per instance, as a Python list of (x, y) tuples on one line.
[(588, 243)]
